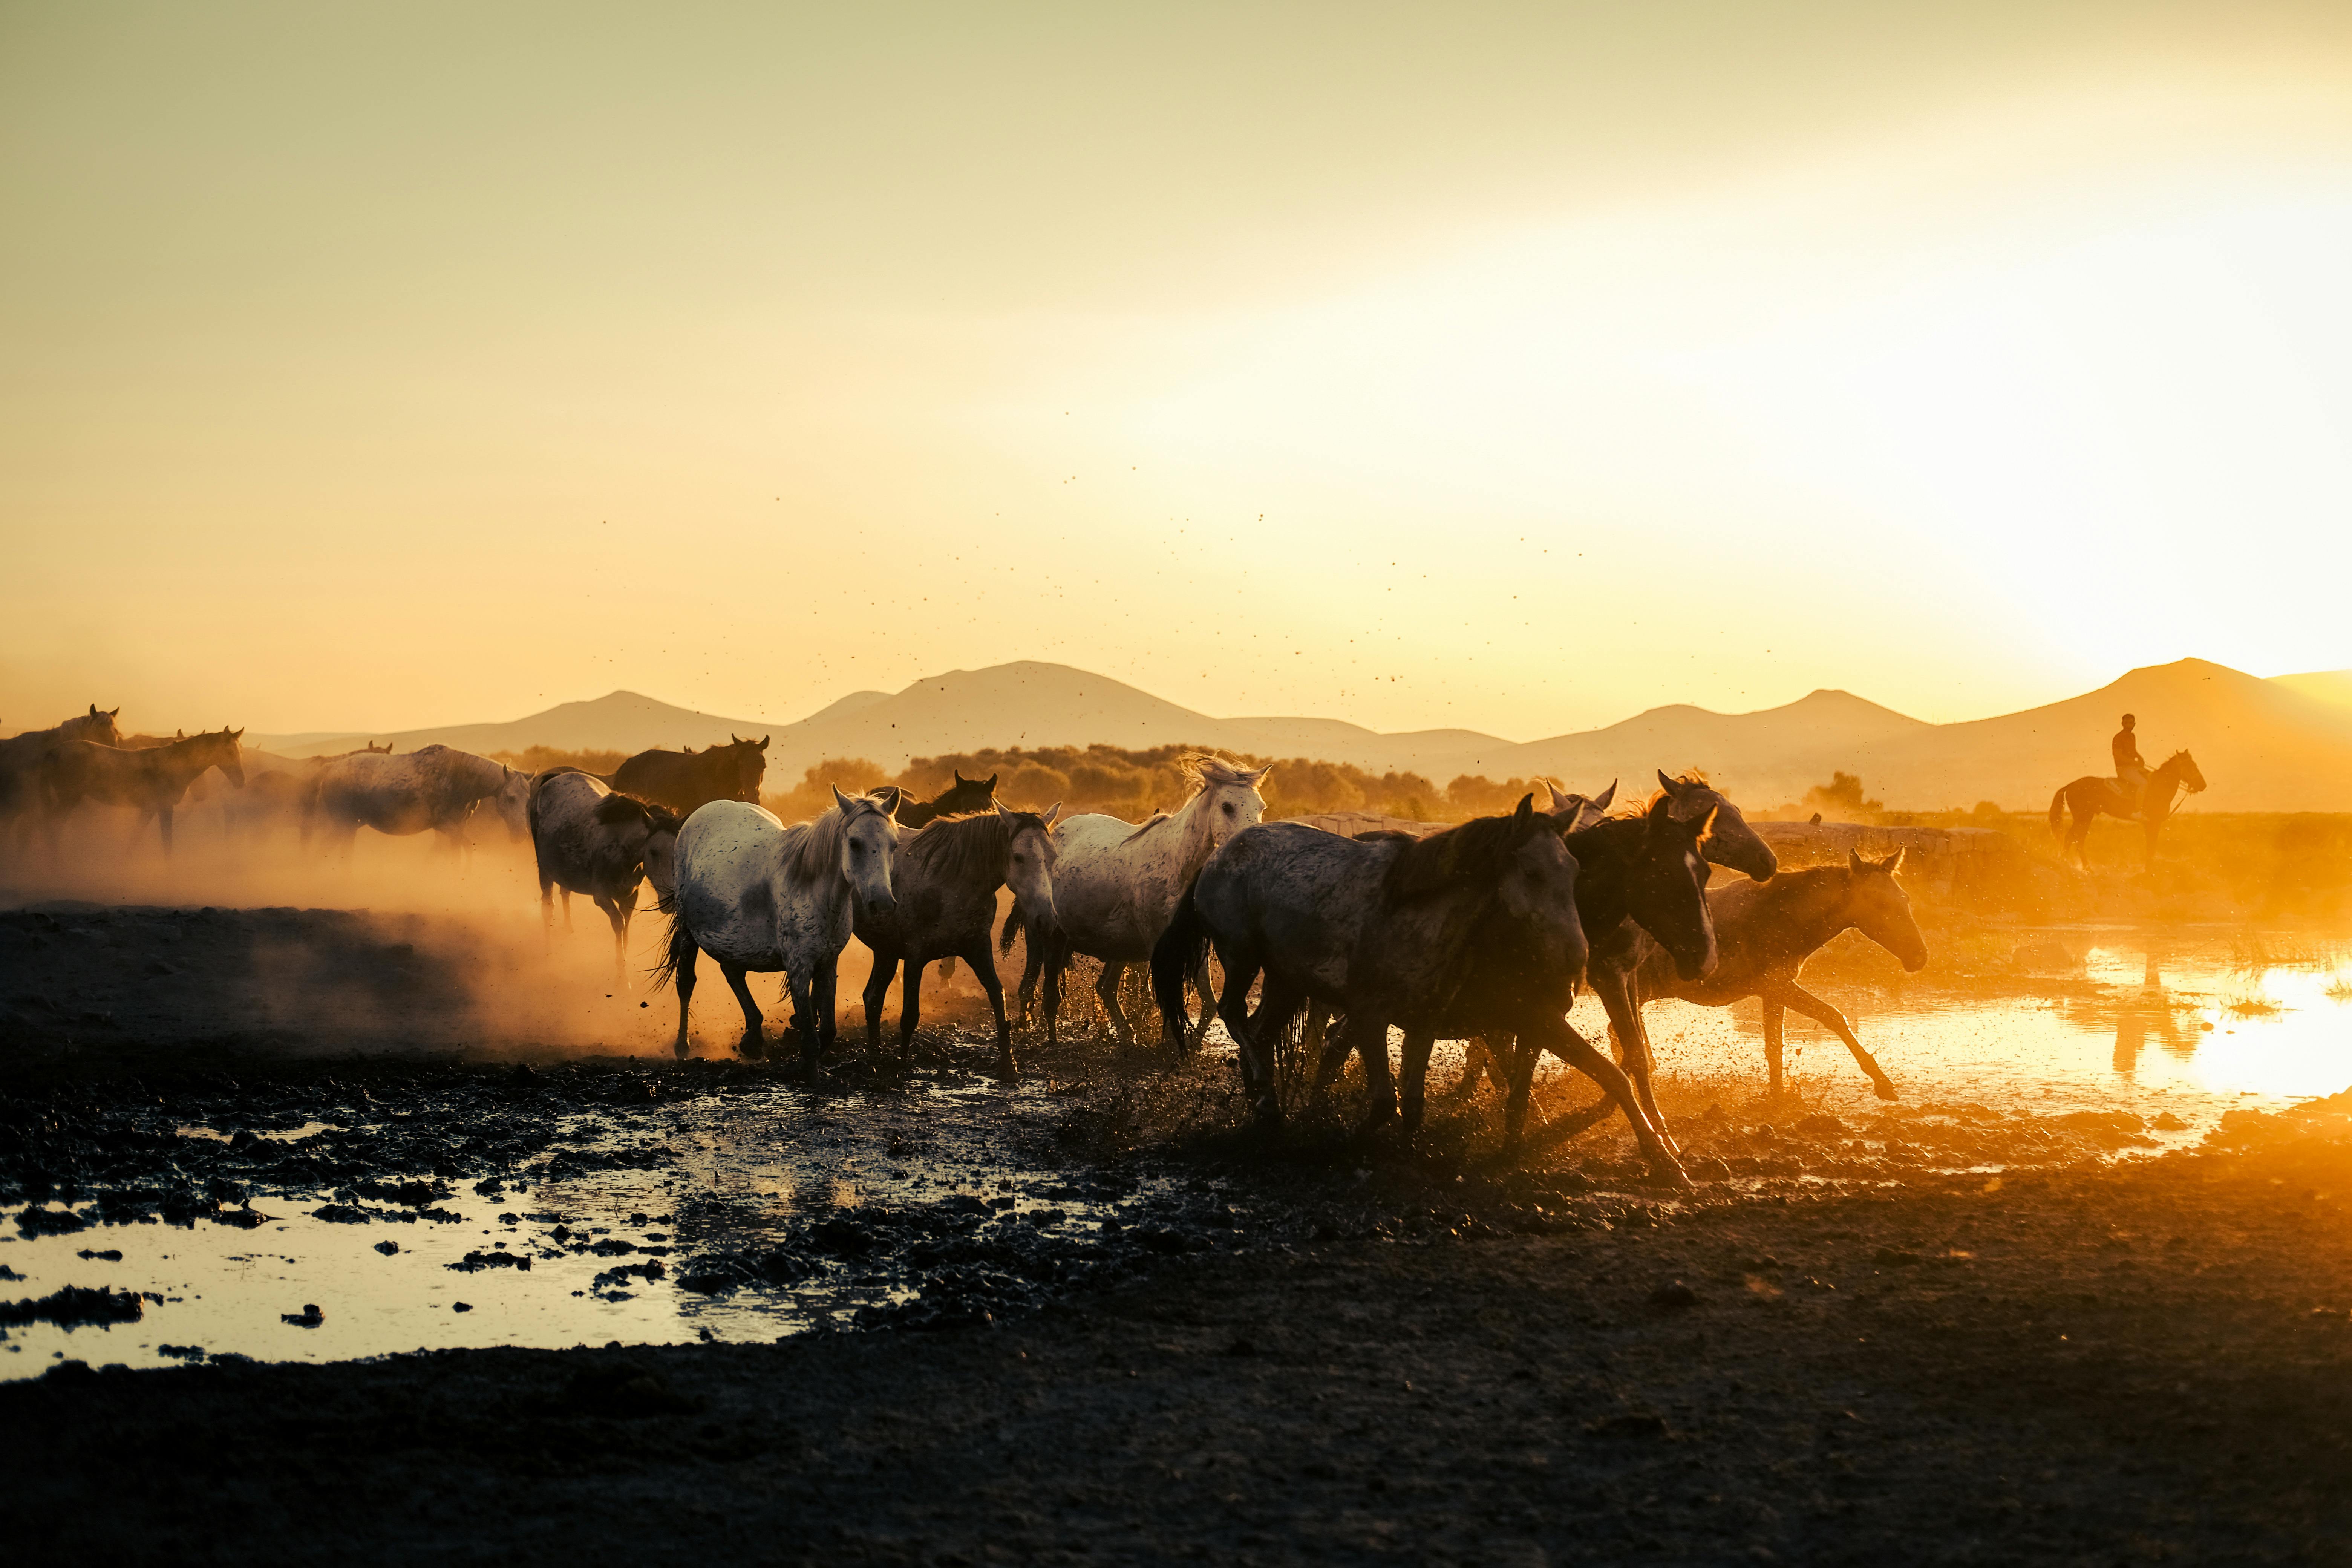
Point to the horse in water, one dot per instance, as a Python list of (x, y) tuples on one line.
[(757, 895), (962, 796), (1115, 882), (586, 838), (2089, 795), (1645, 873), (1764, 933), (687, 781), (150, 782), (944, 890), (21, 755), (433, 788)]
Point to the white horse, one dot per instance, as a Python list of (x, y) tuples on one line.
[(1116, 883), (432, 787), (757, 895)]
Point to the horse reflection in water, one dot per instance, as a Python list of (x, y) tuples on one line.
[(2150, 1012)]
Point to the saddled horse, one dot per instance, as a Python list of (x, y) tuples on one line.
[(431, 789), (20, 757), (588, 838), (959, 798), (687, 781), (757, 895), (1764, 933), (1115, 882), (2089, 795), (944, 899), (150, 782)]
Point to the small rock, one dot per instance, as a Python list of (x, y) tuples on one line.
[(1674, 1296), (461, 1306), (310, 1317), (387, 1248)]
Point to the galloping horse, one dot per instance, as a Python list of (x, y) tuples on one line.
[(687, 781), (1116, 883), (757, 895), (151, 780), (435, 787), (2087, 797)]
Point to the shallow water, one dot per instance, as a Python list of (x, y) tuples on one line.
[(747, 1167), (2190, 1024)]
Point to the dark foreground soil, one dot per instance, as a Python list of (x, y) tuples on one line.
[(2146, 1364), (1834, 1352)]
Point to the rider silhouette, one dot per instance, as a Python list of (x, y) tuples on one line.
[(2131, 773)]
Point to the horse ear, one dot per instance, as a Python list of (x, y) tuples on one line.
[(1600, 802), (1002, 810), (1662, 810), (840, 800), (992, 782), (238, 736), (1856, 863), (1560, 799), (1893, 863), (763, 742), (891, 796), (1527, 810), (958, 775), (1665, 783), (1050, 812), (733, 739)]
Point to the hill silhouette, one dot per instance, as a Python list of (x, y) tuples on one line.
[(2283, 744)]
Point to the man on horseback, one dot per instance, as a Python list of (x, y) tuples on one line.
[(2131, 772)]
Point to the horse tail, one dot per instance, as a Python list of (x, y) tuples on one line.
[(1012, 923), (2058, 813), (1176, 955), (676, 945)]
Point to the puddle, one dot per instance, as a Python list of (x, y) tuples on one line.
[(594, 1256)]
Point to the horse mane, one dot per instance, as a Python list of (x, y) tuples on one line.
[(1202, 769), (616, 808), (1695, 779), (819, 850), (974, 845), (1471, 852)]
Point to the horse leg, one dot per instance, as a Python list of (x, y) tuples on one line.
[(878, 988), (1208, 999), (547, 909), (753, 1039), (1107, 993), (1566, 1043), (1372, 1040), (620, 920), (683, 955), (1633, 1042), (826, 989), (1796, 996), (1259, 1037), (164, 821), (1414, 1070), (910, 1005), (802, 988), (1478, 1060), (1054, 961), (983, 969), (1773, 1041), (567, 912)]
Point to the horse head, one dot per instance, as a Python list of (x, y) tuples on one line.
[(870, 844), (1571, 812), (2183, 766), (1879, 907), (1669, 887), (1029, 858), (1537, 888), (1730, 841), (1227, 798), (746, 765), (224, 754)]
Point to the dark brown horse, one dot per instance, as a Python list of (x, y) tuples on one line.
[(149, 781), (959, 798), (944, 885), (1764, 933), (20, 757), (2089, 795), (683, 781)]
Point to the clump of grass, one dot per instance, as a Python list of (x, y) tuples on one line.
[(2339, 988)]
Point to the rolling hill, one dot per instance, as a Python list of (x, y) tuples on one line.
[(2283, 744)]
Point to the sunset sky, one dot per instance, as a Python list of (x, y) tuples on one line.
[(1515, 367)]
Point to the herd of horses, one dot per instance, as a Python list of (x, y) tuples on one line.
[(1483, 931)]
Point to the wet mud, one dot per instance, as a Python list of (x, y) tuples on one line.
[(907, 1313)]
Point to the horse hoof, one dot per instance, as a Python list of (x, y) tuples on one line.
[(681, 1048)]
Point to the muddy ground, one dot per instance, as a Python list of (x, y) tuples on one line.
[(1853, 1344)]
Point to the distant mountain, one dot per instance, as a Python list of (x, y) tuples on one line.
[(2283, 745), (619, 722)]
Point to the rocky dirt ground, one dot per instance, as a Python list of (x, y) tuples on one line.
[(1844, 1348)]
